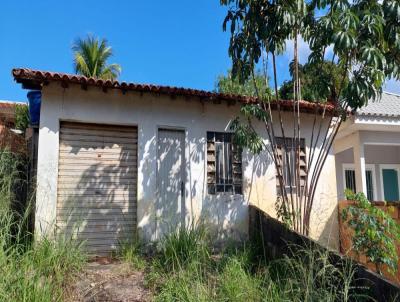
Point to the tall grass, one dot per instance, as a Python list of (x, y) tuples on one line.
[(185, 246), (132, 253), (29, 271), (307, 274), (186, 270)]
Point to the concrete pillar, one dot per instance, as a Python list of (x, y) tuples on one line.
[(359, 167)]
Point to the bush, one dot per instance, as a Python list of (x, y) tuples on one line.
[(375, 232), (22, 117)]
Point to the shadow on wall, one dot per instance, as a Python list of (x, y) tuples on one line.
[(228, 214), (97, 184), (170, 182), (258, 166), (96, 187), (325, 224)]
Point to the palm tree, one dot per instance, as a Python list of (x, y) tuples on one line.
[(90, 58)]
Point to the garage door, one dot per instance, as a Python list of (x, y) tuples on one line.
[(97, 180)]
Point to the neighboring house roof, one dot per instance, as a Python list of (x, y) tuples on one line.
[(387, 106), (7, 108), (35, 79)]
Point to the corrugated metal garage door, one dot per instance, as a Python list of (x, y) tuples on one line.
[(97, 181)]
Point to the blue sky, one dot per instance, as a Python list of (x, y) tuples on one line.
[(178, 42)]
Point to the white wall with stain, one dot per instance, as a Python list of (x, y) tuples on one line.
[(226, 215)]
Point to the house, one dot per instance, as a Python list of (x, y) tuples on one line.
[(118, 159), (9, 137), (367, 151)]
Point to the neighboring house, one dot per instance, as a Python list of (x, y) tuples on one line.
[(9, 137), (117, 159), (367, 151)]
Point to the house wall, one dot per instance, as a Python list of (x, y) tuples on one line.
[(374, 155), (226, 215)]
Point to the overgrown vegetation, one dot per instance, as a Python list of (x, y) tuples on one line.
[(186, 269), (131, 253), (29, 271), (21, 117), (375, 232), (230, 85), (354, 48)]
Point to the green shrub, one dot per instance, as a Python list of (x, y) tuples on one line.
[(21, 117), (375, 232)]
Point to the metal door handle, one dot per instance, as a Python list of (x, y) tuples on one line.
[(182, 188)]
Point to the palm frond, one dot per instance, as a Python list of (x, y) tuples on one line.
[(90, 58)]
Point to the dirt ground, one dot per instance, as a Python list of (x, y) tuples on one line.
[(110, 281)]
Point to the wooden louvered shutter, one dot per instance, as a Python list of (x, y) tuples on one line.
[(224, 164), (284, 164)]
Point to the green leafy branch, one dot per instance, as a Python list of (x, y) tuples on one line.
[(375, 232)]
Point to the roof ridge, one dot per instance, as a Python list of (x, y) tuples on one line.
[(12, 102), (391, 93)]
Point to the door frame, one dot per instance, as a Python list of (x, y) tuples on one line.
[(184, 173), (388, 166), (131, 201)]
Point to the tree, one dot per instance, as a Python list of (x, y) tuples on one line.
[(229, 85), (91, 56), (317, 81), (365, 36)]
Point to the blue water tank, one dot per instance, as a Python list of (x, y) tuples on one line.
[(34, 99)]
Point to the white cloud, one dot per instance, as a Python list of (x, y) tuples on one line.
[(392, 86), (304, 50)]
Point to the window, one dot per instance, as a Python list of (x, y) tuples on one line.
[(287, 158), (350, 179), (224, 164)]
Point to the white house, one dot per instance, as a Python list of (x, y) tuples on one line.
[(120, 159), (367, 150)]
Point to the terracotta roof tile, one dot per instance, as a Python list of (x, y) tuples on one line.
[(34, 79)]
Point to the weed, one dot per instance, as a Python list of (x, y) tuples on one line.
[(183, 286), (131, 253), (237, 284), (30, 271), (185, 271), (185, 246)]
